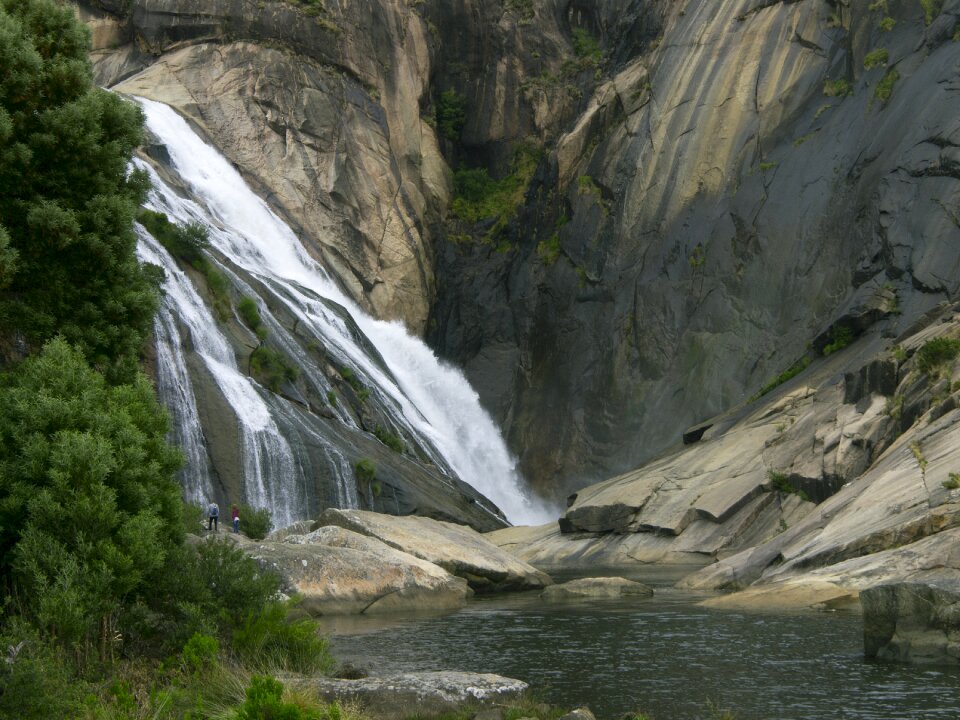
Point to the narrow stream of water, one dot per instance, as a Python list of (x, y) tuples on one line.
[(664, 656)]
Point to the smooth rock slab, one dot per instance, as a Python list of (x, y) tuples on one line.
[(458, 549), (338, 572), (597, 587), (422, 695)]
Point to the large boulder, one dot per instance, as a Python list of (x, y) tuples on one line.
[(456, 548), (339, 572), (422, 695), (597, 587), (912, 622)]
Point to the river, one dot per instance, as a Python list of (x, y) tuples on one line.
[(664, 656)]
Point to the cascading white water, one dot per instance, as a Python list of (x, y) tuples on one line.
[(266, 453), (435, 400)]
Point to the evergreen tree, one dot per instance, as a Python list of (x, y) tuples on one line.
[(89, 508), (67, 202)]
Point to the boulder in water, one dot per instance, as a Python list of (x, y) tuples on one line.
[(912, 622), (597, 587)]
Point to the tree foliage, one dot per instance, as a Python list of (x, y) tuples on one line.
[(89, 507), (67, 202)]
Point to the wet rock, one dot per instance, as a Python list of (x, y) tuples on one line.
[(457, 548), (912, 622), (581, 713), (597, 587)]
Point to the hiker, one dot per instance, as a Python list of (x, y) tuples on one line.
[(213, 514), (235, 513)]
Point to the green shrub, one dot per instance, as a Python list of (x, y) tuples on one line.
[(366, 470), (389, 439), (886, 24), (250, 314), (478, 197), (837, 88), (781, 482), (931, 9), (263, 702), (585, 46), (935, 353), (840, 337), (184, 242), (953, 483), (875, 58), (549, 249), (351, 378), (451, 114), (884, 89), (200, 653), (255, 523), (791, 372), (332, 397), (36, 683), (271, 368), (194, 518), (271, 638)]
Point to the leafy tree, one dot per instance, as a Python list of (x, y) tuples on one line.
[(67, 261), (89, 508)]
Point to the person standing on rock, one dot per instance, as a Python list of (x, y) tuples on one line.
[(235, 515), (213, 515)]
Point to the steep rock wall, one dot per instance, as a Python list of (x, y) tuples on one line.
[(727, 192)]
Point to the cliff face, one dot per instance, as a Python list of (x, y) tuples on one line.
[(720, 184), (730, 192)]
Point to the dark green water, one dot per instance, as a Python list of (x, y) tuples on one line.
[(664, 656)]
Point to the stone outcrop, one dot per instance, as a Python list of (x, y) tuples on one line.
[(338, 572), (458, 549), (821, 489), (597, 588), (912, 622), (425, 694)]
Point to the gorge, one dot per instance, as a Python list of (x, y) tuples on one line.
[(696, 259)]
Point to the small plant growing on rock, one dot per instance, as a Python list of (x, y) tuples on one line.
[(953, 483), (366, 470), (884, 89), (887, 23), (840, 337), (256, 523), (837, 88), (875, 58), (936, 353)]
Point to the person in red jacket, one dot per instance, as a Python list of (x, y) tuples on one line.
[(235, 514)]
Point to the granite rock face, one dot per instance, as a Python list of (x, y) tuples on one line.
[(338, 572), (719, 186), (458, 549), (912, 622)]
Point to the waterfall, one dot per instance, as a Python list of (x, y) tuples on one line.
[(430, 400)]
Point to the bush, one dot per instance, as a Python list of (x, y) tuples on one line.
[(366, 470), (840, 337), (935, 353), (250, 314), (263, 702), (269, 638), (35, 681), (884, 89), (875, 58), (451, 114), (271, 368), (837, 88), (791, 372), (389, 439), (184, 242), (255, 523), (586, 47), (200, 653)]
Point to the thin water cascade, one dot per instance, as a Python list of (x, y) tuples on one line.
[(266, 453), (430, 400)]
